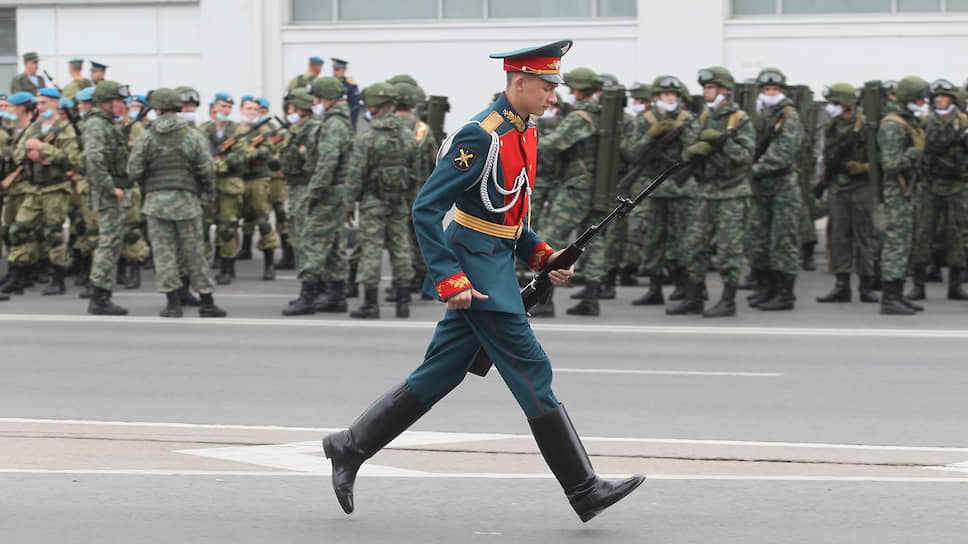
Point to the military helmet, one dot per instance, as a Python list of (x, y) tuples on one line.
[(402, 78), (609, 81), (165, 99), (583, 79), (189, 94), (378, 94), (642, 91), (108, 90), (406, 94), (327, 87), (943, 86), (300, 99), (672, 84), (771, 76), (842, 93), (718, 75), (421, 95), (911, 89), (890, 85)]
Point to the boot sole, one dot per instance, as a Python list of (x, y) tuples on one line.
[(586, 516), (328, 452)]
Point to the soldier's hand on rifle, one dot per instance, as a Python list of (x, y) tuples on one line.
[(662, 127), (119, 194), (559, 276), (700, 149), (855, 168), (710, 134), (277, 138), (33, 143), (257, 140), (34, 155), (227, 144)]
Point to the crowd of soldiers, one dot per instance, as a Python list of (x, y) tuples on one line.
[(139, 184)]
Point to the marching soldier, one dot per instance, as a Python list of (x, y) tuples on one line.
[(78, 82), (28, 81), (352, 90), (303, 80), (173, 165)]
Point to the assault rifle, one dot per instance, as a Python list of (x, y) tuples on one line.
[(73, 118), (699, 161), (838, 161), (931, 157), (52, 82), (142, 113), (229, 143), (540, 286), (657, 149), (12, 176)]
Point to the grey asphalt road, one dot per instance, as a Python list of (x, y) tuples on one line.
[(820, 375)]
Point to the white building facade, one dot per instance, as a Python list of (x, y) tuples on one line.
[(256, 46)]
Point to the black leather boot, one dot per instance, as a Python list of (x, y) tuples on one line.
[(370, 308), (891, 301), (388, 416), (562, 449), (765, 290), (288, 261), (207, 307), (245, 251), (607, 289), (100, 303), (626, 276), (335, 298), (122, 272), (806, 256), (679, 280), (306, 303), (133, 280), (955, 291), (268, 268), (226, 272), (841, 290), (352, 288), (173, 308), (56, 285), (691, 303), (185, 293), (589, 304), (652, 297), (917, 287), (546, 308), (784, 298), (14, 285), (867, 290), (726, 307), (403, 301), (580, 294)]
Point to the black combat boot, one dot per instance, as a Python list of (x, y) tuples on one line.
[(388, 416), (955, 291), (403, 301), (917, 287), (841, 290), (933, 272), (41, 271), (173, 308), (765, 290), (100, 303), (726, 307), (56, 285), (14, 285), (288, 261), (750, 282), (589, 304), (545, 308), (121, 276), (626, 276), (784, 298), (562, 449), (607, 289), (580, 294), (185, 293), (306, 303), (335, 298), (806, 256), (678, 276), (268, 268), (226, 272), (207, 307), (352, 288), (652, 297), (83, 276), (370, 308), (691, 303), (867, 290), (245, 251), (133, 281), (891, 303)]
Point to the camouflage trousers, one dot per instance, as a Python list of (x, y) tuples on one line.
[(772, 231), (228, 209), (384, 224), (662, 232), (898, 219), (278, 194), (616, 240), (84, 225), (108, 251), (256, 208), (11, 205), (541, 197), (722, 221), (807, 231), (298, 208), (179, 249), (38, 229), (571, 210), (949, 214), (321, 242), (851, 239), (134, 246)]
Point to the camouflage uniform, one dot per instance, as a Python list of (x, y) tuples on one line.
[(896, 142), (548, 172), (298, 158), (256, 207), (424, 165), (106, 156), (229, 188)]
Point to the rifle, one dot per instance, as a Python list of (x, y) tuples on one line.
[(657, 148), (699, 161), (73, 118), (229, 143), (12, 176), (540, 286), (838, 160), (52, 82), (142, 113), (931, 158)]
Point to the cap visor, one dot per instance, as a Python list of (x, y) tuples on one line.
[(552, 78)]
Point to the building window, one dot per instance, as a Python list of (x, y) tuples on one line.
[(848, 7), (8, 48), (325, 11), (957, 5), (836, 6)]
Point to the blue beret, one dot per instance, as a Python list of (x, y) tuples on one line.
[(76, 59), (66, 103), (225, 97), (98, 66), (20, 98), (246, 98), (338, 62), (86, 94), (262, 102), (3, 96), (317, 60), (212, 103), (141, 98), (49, 92)]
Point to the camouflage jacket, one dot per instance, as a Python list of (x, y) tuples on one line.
[(943, 160), (575, 142), (333, 149), (58, 155), (256, 153), (426, 151), (382, 165), (300, 81), (105, 158), (726, 173), (894, 139), (232, 162), (637, 143), (299, 154), (839, 133), (549, 165), (782, 137)]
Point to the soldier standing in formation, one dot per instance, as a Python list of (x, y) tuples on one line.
[(303, 80), (28, 81), (230, 162), (298, 158), (78, 82), (255, 199)]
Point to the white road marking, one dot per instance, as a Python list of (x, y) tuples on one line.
[(665, 372), (540, 327), (953, 467)]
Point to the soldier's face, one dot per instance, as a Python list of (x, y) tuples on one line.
[(942, 101), (249, 110), (772, 90), (4, 105), (189, 107), (84, 106), (30, 67), (45, 103), (668, 97), (97, 75), (118, 107), (709, 91), (339, 72), (223, 107), (315, 68), (533, 95)]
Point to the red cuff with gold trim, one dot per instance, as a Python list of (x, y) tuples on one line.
[(538, 257), (452, 285)]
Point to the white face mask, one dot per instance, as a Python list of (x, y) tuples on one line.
[(637, 108), (918, 110), (771, 100), (222, 117), (152, 115), (318, 109), (549, 113), (835, 110), (720, 98), (293, 118), (187, 116), (369, 116), (668, 107), (570, 99), (945, 111)]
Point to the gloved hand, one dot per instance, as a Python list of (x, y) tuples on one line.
[(917, 140), (913, 154), (710, 134), (662, 127), (855, 168), (700, 149)]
